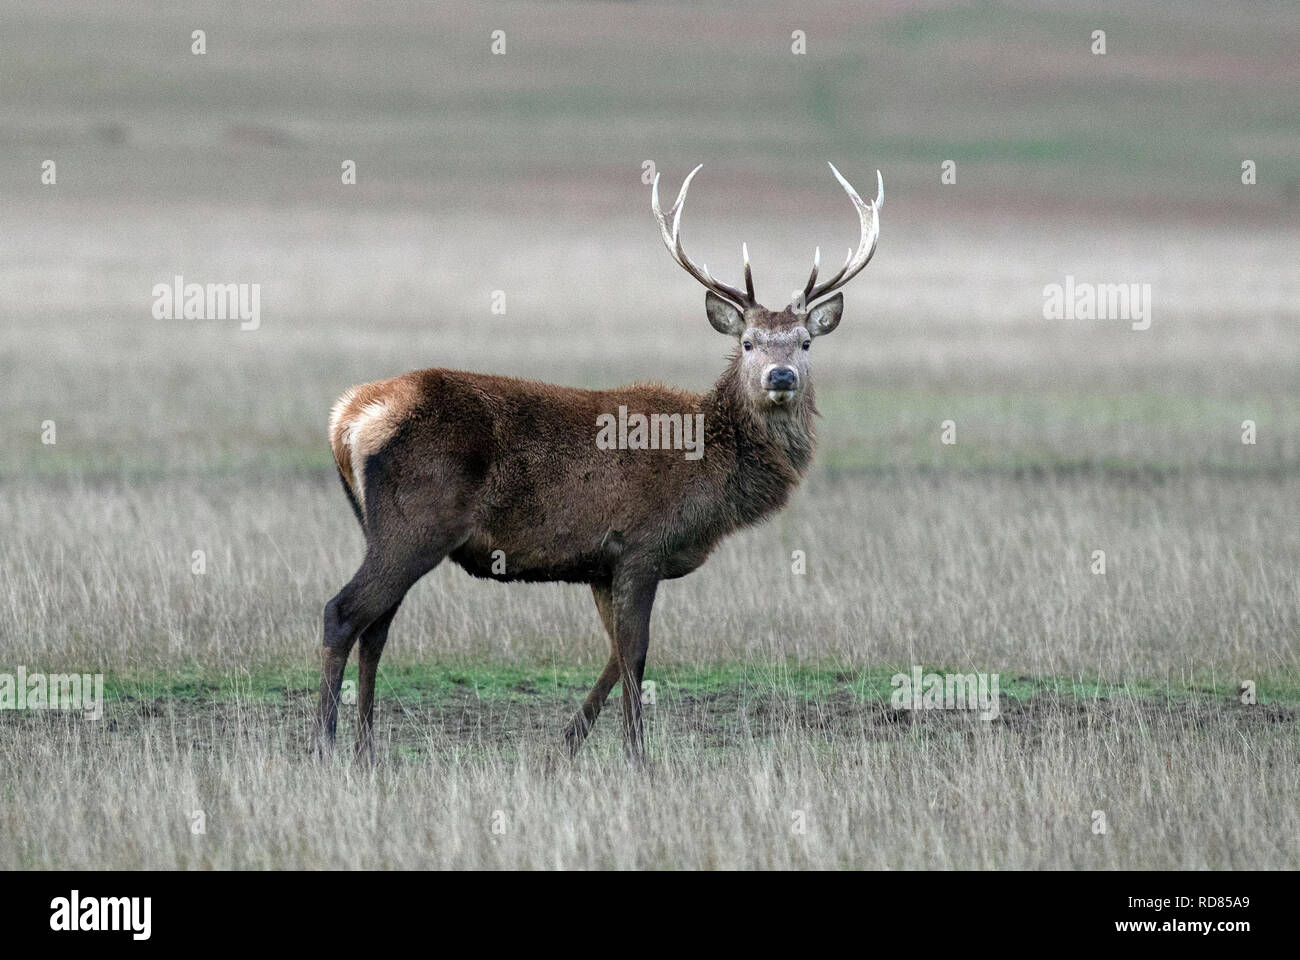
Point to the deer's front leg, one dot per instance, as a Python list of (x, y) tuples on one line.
[(576, 732), (633, 598), (585, 718)]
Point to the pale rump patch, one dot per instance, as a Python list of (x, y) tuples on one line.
[(363, 420)]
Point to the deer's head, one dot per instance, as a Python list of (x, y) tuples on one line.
[(774, 345)]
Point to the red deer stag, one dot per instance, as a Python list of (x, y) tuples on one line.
[(442, 463)]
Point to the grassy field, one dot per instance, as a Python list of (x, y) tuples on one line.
[(523, 173), (1188, 780)]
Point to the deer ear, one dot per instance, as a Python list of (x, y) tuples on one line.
[(825, 317), (723, 315)]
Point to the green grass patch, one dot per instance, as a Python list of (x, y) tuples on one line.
[(436, 682)]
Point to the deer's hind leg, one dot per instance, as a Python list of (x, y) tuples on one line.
[(364, 609), (360, 605), (414, 492), (369, 650)]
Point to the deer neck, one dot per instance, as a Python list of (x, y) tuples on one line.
[(766, 452)]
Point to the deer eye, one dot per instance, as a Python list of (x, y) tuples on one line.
[(807, 344), (748, 346)]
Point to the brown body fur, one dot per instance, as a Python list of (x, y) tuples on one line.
[(532, 483)]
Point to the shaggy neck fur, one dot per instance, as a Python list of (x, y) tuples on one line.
[(766, 449)]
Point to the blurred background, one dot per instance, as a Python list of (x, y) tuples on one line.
[(524, 173)]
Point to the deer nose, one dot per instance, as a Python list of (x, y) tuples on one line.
[(782, 378)]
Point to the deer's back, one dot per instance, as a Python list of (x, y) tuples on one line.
[(516, 463)]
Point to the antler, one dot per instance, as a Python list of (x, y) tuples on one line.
[(670, 226), (869, 218)]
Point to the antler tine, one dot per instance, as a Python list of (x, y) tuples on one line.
[(869, 226), (673, 211), (672, 237), (828, 285), (812, 277)]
